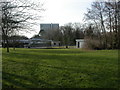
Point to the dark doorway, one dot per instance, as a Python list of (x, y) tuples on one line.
[(78, 44)]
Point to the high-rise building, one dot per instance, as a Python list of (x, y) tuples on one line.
[(50, 26)]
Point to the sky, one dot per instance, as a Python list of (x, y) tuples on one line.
[(62, 12)]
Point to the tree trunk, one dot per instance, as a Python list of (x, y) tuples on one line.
[(3, 43), (100, 40), (7, 45), (103, 30), (111, 36), (14, 44)]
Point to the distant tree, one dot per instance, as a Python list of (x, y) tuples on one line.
[(104, 17), (89, 31), (16, 39), (57, 35), (119, 24), (96, 14), (67, 32), (79, 31)]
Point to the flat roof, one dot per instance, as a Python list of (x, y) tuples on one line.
[(48, 23), (80, 40)]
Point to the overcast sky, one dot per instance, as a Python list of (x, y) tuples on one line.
[(63, 11)]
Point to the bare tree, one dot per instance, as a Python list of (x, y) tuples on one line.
[(78, 31), (16, 18), (104, 15), (67, 32)]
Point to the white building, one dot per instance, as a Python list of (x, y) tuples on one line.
[(80, 43), (38, 43), (55, 43)]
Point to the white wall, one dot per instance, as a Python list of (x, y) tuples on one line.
[(79, 44)]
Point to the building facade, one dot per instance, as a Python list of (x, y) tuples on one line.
[(48, 27), (80, 43)]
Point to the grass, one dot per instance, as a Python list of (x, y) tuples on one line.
[(60, 68)]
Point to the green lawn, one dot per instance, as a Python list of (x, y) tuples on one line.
[(57, 68)]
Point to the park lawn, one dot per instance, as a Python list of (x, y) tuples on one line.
[(60, 68)]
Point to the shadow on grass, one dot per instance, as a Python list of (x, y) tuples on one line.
[(17, 81), (30, 66), (73, 69), (62, 57)]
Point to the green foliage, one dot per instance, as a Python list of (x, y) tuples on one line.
[(57, 68)]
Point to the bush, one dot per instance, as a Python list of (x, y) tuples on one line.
[(92, 44)]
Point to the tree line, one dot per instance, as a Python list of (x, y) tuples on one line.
[(100, 28), (104, 20)]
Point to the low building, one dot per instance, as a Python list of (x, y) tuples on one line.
[(55, 43), (18, 43), (80, 43), (42, 43)]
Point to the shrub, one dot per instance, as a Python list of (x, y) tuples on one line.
[(92, 44)]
